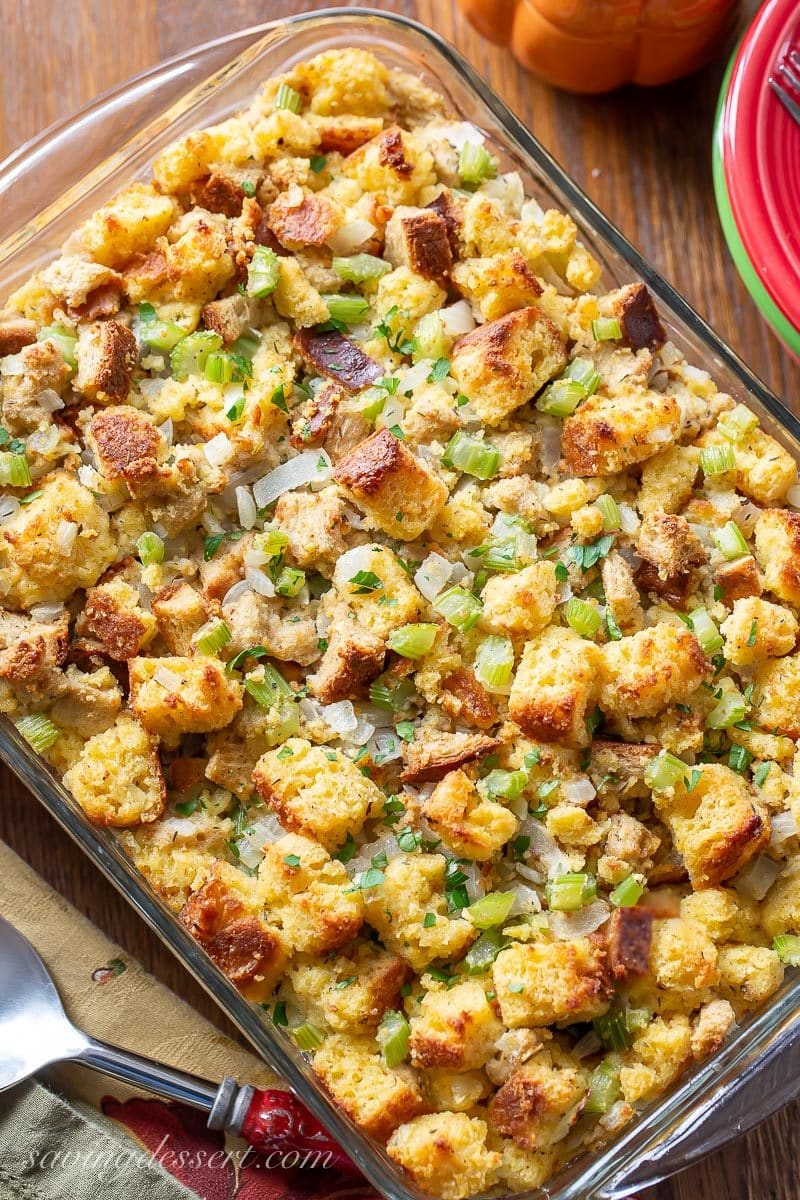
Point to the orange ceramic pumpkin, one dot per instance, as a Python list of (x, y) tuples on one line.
[(597, 45)]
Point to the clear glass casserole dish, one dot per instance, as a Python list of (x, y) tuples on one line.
[(85, 160)]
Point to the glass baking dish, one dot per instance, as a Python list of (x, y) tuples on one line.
[(85, 159)]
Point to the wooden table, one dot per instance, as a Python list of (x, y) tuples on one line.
[(643, 156)]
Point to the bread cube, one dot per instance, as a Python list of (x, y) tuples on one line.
[(296, 297), (756, 630), (541, 1101), (777, 695), (299, 218), (682, 969), (39, 562), (723, 914), (350, 992), (446, 1154), (417, 238), (520, 603), (117, 780), (748, 975), (737, 580), (180, 611), (353, 658), (107, 355), (434, 752), (780, 911), (128, 225), (311, 900), (42, 369), (72, 280), (630, 941), (455, 1027), (113, 613), (608, 434), (660, 1053), (669, 546), (711, 1027), (470, 826), (555, 686), (413, 888), (316, 791), (380, 607), (397, 492), (667, 480), (376, 1097), (189, 158), (199, 261), (717, 826), (317, 527), (126, 444), (777, 538), (503, 364), (391, 166), (497, 285), (645, 673), (622, 594), (174, 695), (764, 470), (541, 983)]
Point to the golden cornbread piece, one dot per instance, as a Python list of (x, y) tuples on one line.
[(682, 967), (725, 915), (520, 603), (173, 695), (542, 983), (391, 166), (749, 975), (777, 537), (645, 673), (377, 1097), (396, 491), (497, 285), (777, 695), (352, 991), (446, 1154), (117, 780), (114, 615), (780, 912), (35, 566), (316, 792), (717, 825), (317, 526), (555, 685), (541, 1101), (609, 433), (296, 297), (126, 444), (658, 1056), (667, 480), (380, 604), (309, 900), (764, 471), (127, 225), (456, 1027), (469, 825), (503, 364), (413, 888), (757, 629), (180, 611)]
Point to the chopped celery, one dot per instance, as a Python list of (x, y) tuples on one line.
[(190, 354), (392, 1036), (39, 731), (491, 910), (472, 455), (150, 548), (494, 662), (459, 608), (263, 273), (412, 641)]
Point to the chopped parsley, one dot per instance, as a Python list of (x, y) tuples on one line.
[(292, 860), (751, 639), (347, 850), (405, 730), (429, 920), (439, 371), (366, 581), (317, 162)]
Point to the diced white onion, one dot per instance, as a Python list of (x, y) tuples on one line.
[(793, 495), (246, 507), (236, 592), (458, 133), (259, 582), (578, 791), (351, 236), (178, 827), (589, 1044), (312, 466), (784, 825), (550, 444), (218, 450), (457, 319), (48, 614), (49, 400), (432, 576), (265, 829), (44, 441), (385, 747), (88, 477), (66, 533), (362, 860), (413, 377), (757, 877), (168, 679), (8, 506), (526, 901), (360, 735), (341, 716), (543, 847), (167, 431), (628, 518), (567, 925), (529, 873), (351, 562)]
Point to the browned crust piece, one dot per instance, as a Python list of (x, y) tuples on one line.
[(734, 851), (738, 580), (113, 361), (317, 417), (424, 244), (365, 469), (219, 194), (636, 312), (339, 359), (126, 442), (515, 1106), (148, 271), (104, 301), (16, 334), (630, 934), (391, 152), (227, 317), (448, 208), (345, 134), (354, 658), (28, 649), (433, 753), (467, 700), (626, 760), (671, 553), (310, 223), (120, 632)]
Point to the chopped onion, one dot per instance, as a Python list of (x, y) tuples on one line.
[(66, 533), (49, 400), (236, 592), (550, 444), (168, 679), (413, 377), (48, 614), (458, 133), (246, 507), (567, 925), (526, 901), (44, 441), (178, 827), (351, 562), (543, 847), (351, 236), (362, 860), (340, 716), (312, 466), (8, 506), (385, 747), (784, 825), (218, 450), (457, 319), (793, 495), (259, 582), (757, 877), (530, 873), (589, 1044), (167, 431), (360, 735), (578, 791), (628, 518), (432, 576)]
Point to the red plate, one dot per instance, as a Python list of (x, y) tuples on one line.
[(761, 155)]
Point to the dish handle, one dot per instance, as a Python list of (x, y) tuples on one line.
[(730, 1109)]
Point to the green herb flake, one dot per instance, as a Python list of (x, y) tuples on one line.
[(405, 730), (429, 920), (292, 860)]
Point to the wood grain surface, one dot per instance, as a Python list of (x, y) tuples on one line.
[(644, 157)]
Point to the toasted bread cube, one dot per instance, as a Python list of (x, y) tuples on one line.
[(317, 527), (354, 657), (171, 696), (749, 975), (43, 369), (434, 752), (29, 649), (126, 444), (417, 238), (555, 684), (296, 297), (391, 166), (737, 580), (630, 941), (668, 544), (350, 992), (35, 566), (622, 594), (756, 630), (446, 1154), (540, 983), (396, 491), (344, 133), (723, 913), (780, 911), (764, 470), (189, 158), (607, 434), (381, 607), (373, 1095), (717, 826), (645, 673), (348, 80), (503, 364), (777, 538), (668, 479), (541, 1101), (470, 826), (641, 328), (455, 1027), (710, 1028), (128, 225), (412, 888), (660, 1053), (15, 334), (107, 355), (310, 901), (316, 792), (180, 611), (113, 613), (630, 846), (72, 279), (497, 285), (682, 968), (520, 603), (778, 695), (232, 932), (302, 219), (117, 779)]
